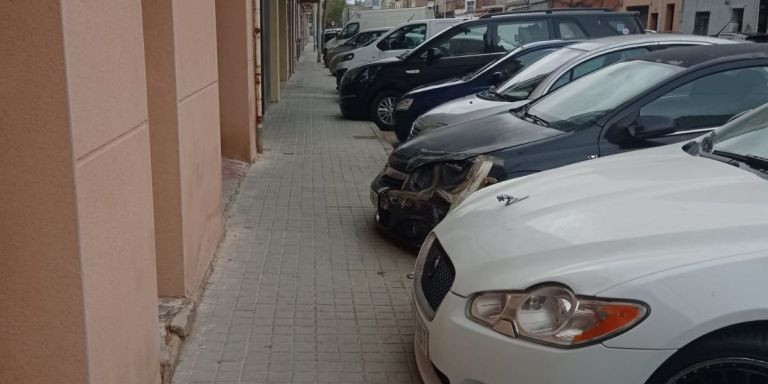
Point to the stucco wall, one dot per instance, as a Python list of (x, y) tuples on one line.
[(182, 73), (237, 94), (720, 14), (41, 289), (79, 292)]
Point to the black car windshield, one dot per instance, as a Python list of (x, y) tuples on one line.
[(747, 137), (522, 84), (587, 99)]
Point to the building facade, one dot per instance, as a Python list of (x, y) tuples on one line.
[(114, 118), (708, 17), (657, 15)]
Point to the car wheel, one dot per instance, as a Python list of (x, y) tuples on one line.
[(731, 357), (383, 109)]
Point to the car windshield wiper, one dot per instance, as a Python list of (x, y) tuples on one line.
[(525, 115), (753, 161)]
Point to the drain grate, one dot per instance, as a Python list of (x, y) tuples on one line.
[(364, 137)]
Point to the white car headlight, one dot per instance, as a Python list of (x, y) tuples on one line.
[(553, 315), (348, 56), (404, 104)]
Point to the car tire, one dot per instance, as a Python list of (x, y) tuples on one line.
[(739, 354), (382, 109)]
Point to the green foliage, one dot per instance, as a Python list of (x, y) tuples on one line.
[(334, 9)]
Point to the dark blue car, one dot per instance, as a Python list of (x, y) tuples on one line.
[(424, 98)]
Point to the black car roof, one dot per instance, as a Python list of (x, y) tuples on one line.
[(709, 54)]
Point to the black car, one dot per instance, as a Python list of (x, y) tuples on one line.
[(421, 99), (649, 100), (542, 77), (371, 90)]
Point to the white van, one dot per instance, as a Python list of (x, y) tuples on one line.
[(400, 39), (364, 20)]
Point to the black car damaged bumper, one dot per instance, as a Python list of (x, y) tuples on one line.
[(409, 206)]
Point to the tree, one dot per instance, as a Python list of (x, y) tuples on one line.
[(334, 9)]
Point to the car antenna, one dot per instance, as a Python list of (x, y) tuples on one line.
[(722, 29)]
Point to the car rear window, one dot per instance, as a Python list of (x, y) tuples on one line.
[(619, 25)]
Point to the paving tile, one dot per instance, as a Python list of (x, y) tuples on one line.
[(305, 289)]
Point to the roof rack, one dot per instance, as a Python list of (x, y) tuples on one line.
[(547, 11)]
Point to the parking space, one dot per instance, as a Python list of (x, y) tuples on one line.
[(305, 289)]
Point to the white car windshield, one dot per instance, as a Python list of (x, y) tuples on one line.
[(745, 137), (589, 98), (522, 84)]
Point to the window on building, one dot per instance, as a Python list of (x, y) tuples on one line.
[(737, 19), (701, 23), (653, 23), (669, 18)]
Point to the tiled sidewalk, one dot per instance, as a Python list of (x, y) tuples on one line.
[(305, 290)]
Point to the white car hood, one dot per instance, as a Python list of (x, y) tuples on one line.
[(600, 223)]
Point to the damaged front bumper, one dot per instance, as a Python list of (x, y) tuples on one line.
[(409, 206)]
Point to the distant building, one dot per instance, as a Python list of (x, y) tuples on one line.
[(710, 17), (658, 15)]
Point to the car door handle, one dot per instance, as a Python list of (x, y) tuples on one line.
[(412, 71)]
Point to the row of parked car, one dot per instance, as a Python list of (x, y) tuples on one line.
[(545, 259)]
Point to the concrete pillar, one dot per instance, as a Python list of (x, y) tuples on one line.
[(78, 289), (274, 50), (285, 41), (237, 96), (183, 94)]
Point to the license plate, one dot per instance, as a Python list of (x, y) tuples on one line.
[(421, 335)]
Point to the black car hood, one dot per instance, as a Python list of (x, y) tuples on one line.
[(437, 85), (467, 139)]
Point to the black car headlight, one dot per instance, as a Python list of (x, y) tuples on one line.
[(453, 177)]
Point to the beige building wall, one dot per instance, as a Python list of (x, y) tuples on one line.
[(78, 288), (183, 91), (659, 17), (237, 86)]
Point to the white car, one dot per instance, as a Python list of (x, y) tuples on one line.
[(647, 267), (397, 41)]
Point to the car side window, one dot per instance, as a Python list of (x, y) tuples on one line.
[(349, 31), (570, 30), (464, 41), (710, 101), (515, 65), (405, 37), (618, 25), (596, 63), (512, 34)]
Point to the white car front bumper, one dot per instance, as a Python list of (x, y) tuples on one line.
[(465, 352)]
